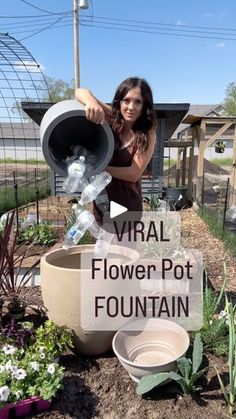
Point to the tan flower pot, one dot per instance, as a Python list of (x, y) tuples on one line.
[(61, 276)]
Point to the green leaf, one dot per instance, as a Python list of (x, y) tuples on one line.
[(197, 352), (148, 382), (223, 388), (184, 366), (196, 375), (222, 290)]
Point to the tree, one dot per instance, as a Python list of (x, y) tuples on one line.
[(58, 90), (230, 100), (49, 90)]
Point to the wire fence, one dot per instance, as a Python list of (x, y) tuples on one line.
[(25, 179), (218, 199)]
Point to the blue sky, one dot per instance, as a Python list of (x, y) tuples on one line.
[(178, 68)]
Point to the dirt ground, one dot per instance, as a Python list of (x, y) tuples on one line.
[(99, 387)]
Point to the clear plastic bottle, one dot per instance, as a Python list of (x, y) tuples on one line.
[(103, 242), (75, 180), (90, 163), (79, 150), (76, 232), (92, 190), (90, 158), (77, 209), (94, 228), (102, 202)]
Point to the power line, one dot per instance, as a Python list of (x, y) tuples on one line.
[(147, 27), (107, 23), (31, 16), (110, 21), (125, 20), (160, 33), (82, 20), (43, 29), (35, 7), (131, 30), (159, 23), (28, 24)]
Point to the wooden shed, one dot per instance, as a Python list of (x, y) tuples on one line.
[(205, 130)]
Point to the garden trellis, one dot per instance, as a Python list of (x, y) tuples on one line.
[(24, 175)]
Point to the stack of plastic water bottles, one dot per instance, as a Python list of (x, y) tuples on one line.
[(83, 161)]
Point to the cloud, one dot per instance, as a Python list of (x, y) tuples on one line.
[(220, 45), (179, 23), (29, 66)]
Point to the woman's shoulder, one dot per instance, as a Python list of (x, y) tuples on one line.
[(152, 134)]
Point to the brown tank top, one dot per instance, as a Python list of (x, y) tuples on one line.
[(128, 194)]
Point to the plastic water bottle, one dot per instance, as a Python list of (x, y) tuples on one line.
[(90, 163), (75, 180), (76, 232), (79, 150), (102, 202), (94, 228), (91, 191), (90, 158), (84, 221), (103, 242), (77, 209)]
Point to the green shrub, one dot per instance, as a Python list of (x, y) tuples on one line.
[(42, 234)]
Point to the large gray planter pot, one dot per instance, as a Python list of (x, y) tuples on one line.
[(65, 126), (61, 277)]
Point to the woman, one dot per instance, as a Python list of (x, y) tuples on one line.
[(133, 122)]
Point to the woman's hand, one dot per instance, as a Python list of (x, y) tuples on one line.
[(94, 112)]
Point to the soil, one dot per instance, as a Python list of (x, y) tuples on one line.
[(99, 387), (209, 167)]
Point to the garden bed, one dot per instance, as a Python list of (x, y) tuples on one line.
[(99, 387)]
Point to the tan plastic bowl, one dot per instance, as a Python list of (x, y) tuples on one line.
[(155, 348)]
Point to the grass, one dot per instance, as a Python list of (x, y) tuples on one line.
[(166, 162), (220, 161), (216, 227), (25, 195), (224, 161), (28, 161)]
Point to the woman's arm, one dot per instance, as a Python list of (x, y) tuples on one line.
[(139, 163), (96, 111)]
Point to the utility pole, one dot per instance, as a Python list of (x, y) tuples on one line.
[(83, 4), (76, 44)]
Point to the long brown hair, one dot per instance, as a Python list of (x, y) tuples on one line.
[(147, 119)]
